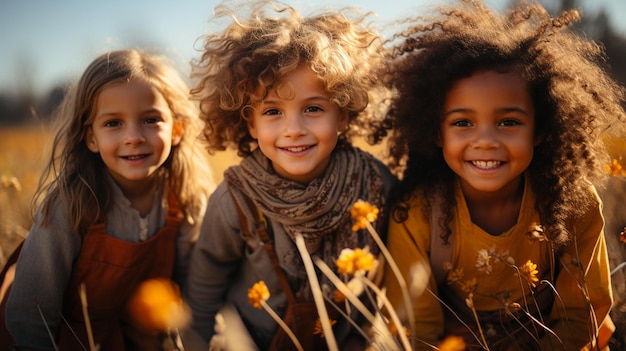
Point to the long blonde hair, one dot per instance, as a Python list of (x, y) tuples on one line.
[(73, 176)]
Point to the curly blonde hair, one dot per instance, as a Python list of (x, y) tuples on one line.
[(73, 175), (576, 101), (252, 56)]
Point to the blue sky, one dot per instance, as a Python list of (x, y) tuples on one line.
[(44, 42)]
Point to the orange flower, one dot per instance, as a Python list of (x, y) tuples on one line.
[(393, 329), (622, 236), (363, 212), (452, 343), (529, 272), (259, 292), (318, 327), (338, 296), (157, 306), (11, 183), (615, 168), (351, 261)]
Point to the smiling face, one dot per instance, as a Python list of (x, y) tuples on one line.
[(297, 127), (487, 133), (132, 131)]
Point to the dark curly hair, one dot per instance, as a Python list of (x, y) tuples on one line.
[(576, 102), (253, 55)]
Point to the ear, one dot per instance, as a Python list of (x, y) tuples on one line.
[(538, 140), (90, 140), (178, 128), (251, 128)]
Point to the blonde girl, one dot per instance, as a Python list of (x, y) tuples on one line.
[(122, 198)]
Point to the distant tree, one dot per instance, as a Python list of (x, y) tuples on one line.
[(51, 102)]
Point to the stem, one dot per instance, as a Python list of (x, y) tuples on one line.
[(351, 297), (480, 328), (83, 302), (392, 313), (282, 324), (329, 336), (399, 277)]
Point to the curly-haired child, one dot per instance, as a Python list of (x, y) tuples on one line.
[(288, 92), (498, 119), (123, 196)]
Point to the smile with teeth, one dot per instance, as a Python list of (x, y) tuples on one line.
[(486, 164), (135, 157), (297, 148)]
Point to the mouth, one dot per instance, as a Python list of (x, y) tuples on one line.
[(297, 148), (486, 164), (135, 157)]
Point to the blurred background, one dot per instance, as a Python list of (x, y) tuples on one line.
[(45, 45)]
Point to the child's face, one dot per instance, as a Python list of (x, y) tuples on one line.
[(132, 131), (299, 133), (487, 133)]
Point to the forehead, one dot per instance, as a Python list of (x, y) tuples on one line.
[(490, 87)]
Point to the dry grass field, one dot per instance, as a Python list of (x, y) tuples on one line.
[(21, 162), (24, 150)]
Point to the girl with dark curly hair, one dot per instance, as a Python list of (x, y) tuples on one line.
[(498, 123)]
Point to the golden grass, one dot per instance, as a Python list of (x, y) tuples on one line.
[(24, 150)]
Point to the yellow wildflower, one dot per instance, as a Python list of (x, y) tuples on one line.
[(452, 343), (455, 275), (351, 261), (469, 286), (11, 183), (318, 327), (363, 212), (529, 272), (393, 329), (535, 233), (338, 296), (615, 168), (157, 306), (259, 292)]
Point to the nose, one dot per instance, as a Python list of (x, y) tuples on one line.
[(294, 125), (485, 138), (134, 135)]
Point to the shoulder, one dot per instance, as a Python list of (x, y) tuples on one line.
[(591, 212), (381, 168)]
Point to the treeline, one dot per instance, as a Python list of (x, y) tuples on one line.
[(26, 107)]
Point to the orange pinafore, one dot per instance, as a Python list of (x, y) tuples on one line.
[(110, 270)]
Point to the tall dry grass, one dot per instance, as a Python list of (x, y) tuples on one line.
[(24, 150), (23, 156)]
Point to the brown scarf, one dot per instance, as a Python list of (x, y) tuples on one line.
[(315, 210)]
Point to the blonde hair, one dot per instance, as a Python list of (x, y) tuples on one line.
[(252, 56), (73, 176)]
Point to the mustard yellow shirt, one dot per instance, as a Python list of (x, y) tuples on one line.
[(491, 261)]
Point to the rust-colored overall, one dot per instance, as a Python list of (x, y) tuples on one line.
[(111, 269)]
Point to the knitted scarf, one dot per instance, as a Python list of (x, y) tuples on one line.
[(320, 210)]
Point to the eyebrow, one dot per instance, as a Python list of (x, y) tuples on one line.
[(309, 99), (501, 110)]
